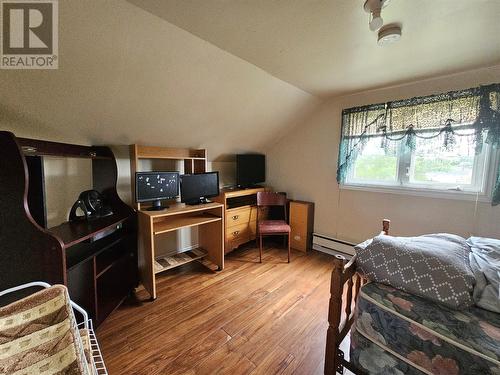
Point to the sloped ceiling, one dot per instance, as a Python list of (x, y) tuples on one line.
[(325, 47), (127, 76)]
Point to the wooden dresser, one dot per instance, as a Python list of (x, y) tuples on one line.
[(240, 211)]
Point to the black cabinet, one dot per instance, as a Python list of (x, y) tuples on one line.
[(96, 260)]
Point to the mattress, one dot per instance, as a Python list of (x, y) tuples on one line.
[(399, 333)]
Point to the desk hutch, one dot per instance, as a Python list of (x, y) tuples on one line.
[(208, 218), (194, 160), (96, 260)]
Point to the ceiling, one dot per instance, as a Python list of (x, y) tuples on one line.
[(126, 76), (325, 48)]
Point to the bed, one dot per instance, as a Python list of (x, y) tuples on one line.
[(395, 332)]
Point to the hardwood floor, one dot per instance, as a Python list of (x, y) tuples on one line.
[(251, 318)]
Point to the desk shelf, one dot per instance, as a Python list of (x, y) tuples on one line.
[(176, 260), (72, 233), (194, 160), (208, 218), (184, 222)]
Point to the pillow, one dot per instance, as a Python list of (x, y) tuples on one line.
[(485, 263), (434, 266), (362, 245)]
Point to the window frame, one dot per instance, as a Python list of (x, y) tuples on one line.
[(489, 158)]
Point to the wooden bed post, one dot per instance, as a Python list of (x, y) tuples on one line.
[(385, 226), (334, 313), (344, 276)]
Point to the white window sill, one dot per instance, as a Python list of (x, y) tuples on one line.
[(419, 192)]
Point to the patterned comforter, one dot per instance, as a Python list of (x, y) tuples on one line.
[(399, 333)]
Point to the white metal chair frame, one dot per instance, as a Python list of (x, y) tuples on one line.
[(99, 366)]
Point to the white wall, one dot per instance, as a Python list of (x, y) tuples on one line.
[(126, 76), (304, 164), (65, 179)]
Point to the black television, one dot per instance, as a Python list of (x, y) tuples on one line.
[(196, 188), (250, 169), (156, 186)]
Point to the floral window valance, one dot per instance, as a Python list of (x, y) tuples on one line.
[(473, 113)]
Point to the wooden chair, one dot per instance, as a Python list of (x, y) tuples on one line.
[(272, 227)]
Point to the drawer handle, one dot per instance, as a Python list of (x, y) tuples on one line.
[(235, 217), (235, 233)]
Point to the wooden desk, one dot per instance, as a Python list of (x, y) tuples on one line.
[(209, 218)]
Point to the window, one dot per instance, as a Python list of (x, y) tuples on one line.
[(375, 165), (444, 143), (428, 166)]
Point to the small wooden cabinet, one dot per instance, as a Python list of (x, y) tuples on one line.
[(301, 222), (240, 211)]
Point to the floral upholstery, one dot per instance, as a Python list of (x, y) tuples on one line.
[(273, 226), (399, 333)]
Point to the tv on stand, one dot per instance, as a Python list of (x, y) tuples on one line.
[(250, 170)]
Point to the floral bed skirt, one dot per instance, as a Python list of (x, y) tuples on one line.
[(399, 333)]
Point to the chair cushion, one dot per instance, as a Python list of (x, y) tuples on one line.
[(273, 226)]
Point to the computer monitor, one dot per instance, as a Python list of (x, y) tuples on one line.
[(196, 188), (155, 186)]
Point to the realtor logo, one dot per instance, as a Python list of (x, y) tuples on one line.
[(29, 34)]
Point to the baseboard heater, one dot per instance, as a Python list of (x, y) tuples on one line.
[(332, 246)]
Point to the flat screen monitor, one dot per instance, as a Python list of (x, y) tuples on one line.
[(250, 169), (155, 186), (196, 188)]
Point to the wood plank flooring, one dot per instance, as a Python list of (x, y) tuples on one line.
[(251, 318)]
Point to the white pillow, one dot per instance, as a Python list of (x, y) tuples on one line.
[(485, 263)]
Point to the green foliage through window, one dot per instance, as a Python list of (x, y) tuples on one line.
[(376, 168)]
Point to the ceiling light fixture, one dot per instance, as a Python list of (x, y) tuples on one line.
[(374, 8), (389, 34)]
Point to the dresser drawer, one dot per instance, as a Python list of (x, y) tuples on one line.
[(239, 216), (241, 225), (237, 235), (238, 231), (233, 244)]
